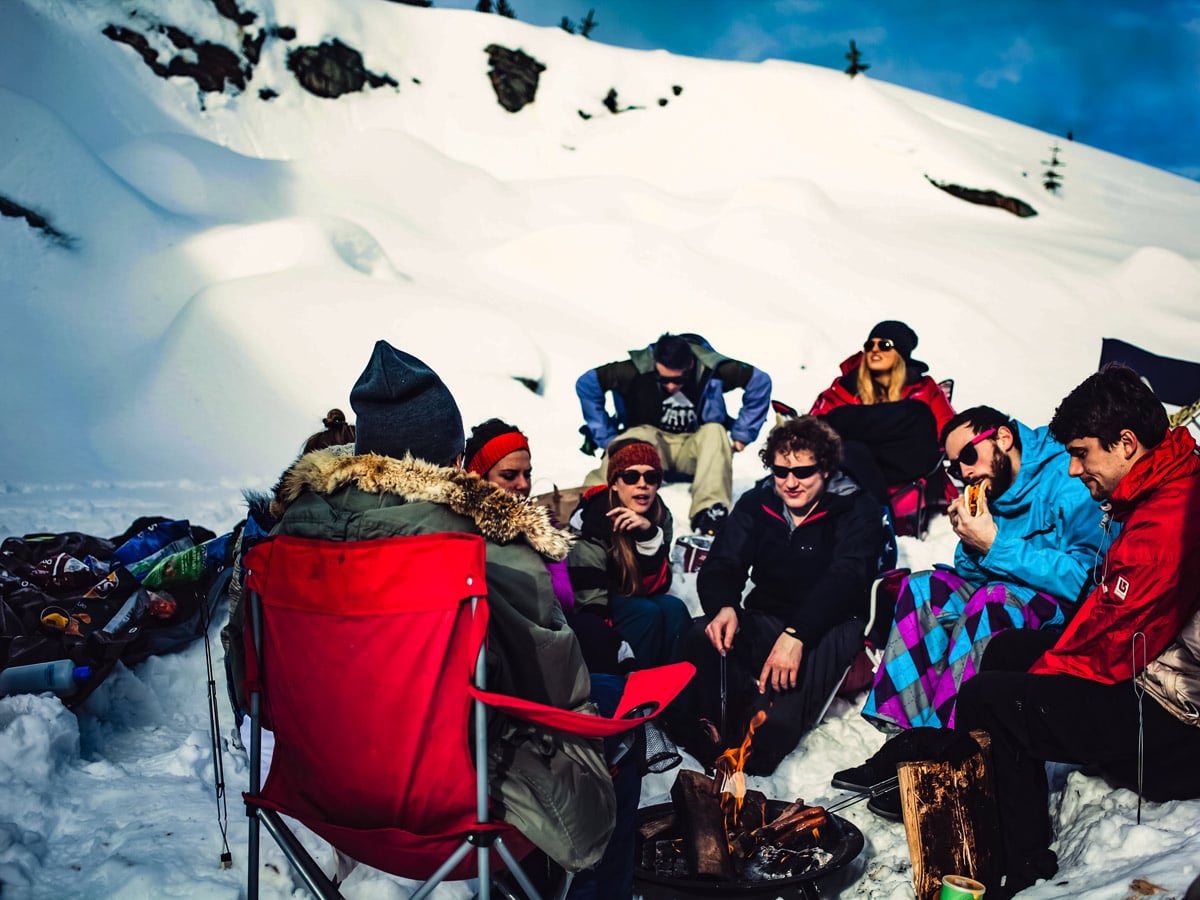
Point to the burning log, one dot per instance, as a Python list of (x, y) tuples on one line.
[(654, 827), (751, 816), (702, 824)]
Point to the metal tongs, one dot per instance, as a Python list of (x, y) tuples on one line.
[(873, 791)]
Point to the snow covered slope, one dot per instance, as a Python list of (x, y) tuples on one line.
[(222, 263)]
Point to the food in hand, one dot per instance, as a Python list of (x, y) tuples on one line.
[(974, 494)]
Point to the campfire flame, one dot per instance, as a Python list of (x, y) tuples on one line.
[(731, 764)]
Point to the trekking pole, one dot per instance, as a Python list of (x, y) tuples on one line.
[(214, 722)]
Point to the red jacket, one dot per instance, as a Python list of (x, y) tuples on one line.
[(923, 388), (1151, 580)]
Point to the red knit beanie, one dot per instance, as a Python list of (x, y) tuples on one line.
[(495, 450), (635, 453)]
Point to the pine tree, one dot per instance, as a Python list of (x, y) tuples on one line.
[(589, 22), (483, 6), (503, 9), (567, 25), (855, 66), (1051, 180)]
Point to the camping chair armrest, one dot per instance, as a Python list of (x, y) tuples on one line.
[(645, 688)]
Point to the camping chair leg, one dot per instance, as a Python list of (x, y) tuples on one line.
[(515, 869), (443, 870), (566, 886), (314, 879), (252, 861), (833, 694)]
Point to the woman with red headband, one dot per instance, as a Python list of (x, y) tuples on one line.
[(499, 454), (620, 565)]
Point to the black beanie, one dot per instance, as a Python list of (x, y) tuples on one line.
[(905, 340), (403, 407), (899, 334)]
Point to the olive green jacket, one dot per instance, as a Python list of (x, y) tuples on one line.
[(554, 788)]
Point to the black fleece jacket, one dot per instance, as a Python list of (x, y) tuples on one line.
[(813, 577)]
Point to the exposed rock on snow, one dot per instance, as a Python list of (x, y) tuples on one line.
[(332, 69), (1017, 207), (514, 76)]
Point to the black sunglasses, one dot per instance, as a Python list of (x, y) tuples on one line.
[(672, 379), (883, 343), (798, 472), (632, 476), (967, 456)]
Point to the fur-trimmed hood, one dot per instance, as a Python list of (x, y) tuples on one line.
[(500, 517)]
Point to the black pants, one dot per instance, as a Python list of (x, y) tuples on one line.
[(1037, 718), (790, 714)]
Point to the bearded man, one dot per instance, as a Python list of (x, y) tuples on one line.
[(1023, 560)]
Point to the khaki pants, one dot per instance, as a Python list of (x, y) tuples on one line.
[(706, 454)]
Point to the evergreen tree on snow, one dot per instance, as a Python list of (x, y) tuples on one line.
[(856, 65), (503, 9), (1051, 179), (585, 26)]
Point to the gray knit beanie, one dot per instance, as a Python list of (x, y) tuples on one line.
[(403, 407)]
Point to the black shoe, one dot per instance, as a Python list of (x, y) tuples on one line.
[(934, 744), (709, 521), (887, 805)]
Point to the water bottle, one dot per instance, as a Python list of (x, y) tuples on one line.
[(61, 676)]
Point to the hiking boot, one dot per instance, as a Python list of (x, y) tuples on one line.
[(709, 521), (862, 778)]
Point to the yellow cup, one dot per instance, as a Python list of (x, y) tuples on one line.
[(960, 887)]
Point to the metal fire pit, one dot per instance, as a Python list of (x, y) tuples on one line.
[(840, 838)]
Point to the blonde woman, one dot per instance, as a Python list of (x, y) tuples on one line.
[(887, 410)]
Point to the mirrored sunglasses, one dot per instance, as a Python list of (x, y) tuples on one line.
[(968, 456), (882, 343), (632, 476), (798, 472)]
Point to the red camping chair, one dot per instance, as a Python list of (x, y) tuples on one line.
[(360, 658), (914, 503)]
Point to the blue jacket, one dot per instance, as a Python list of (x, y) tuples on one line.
[(637, 398), (1049, 526)]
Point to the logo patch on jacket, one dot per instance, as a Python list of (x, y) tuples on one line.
[(1122, 588)]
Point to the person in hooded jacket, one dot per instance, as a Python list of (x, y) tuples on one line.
[(499, 453), (1119, 689), (401, 477), (808, 539), (888, 412), (1022, 560)]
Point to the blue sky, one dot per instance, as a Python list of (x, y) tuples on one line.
[(1121, 76)]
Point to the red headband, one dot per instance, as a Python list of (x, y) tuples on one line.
[(495, 450), (638, 453)]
